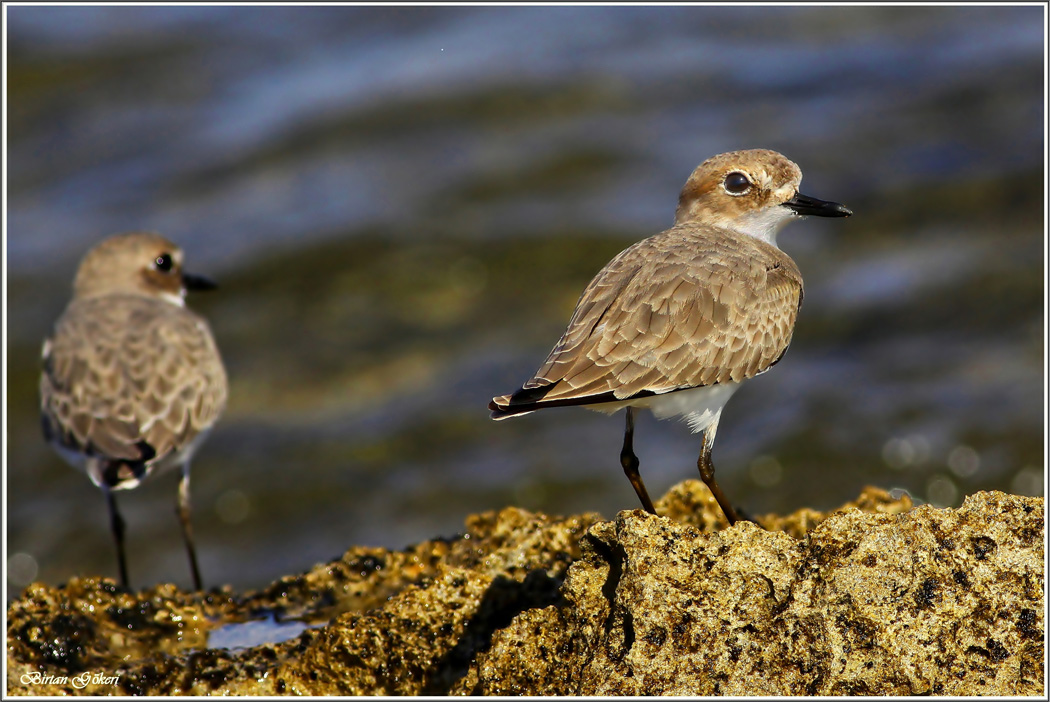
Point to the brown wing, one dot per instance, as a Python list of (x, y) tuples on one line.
[(689, 307), (122, 370)]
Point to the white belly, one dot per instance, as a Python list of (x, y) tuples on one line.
[(700, 407)]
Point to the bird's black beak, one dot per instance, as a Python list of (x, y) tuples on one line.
[(806, 205), (198, 282)]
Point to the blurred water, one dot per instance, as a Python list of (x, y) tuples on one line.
[(402, 205)]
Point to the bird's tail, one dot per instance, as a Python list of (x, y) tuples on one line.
[(503, 409)]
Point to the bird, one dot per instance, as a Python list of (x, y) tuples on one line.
[(677, 322), (132, 379)]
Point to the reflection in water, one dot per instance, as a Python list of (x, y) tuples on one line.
[(403, 204), (245, 635)]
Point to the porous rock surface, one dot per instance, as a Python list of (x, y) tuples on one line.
[(875, 598), (947, 602)]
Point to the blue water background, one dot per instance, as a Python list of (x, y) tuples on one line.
[(402, 205)]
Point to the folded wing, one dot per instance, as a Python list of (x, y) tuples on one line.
[(662, 316)]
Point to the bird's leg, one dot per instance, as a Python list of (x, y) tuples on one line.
[(630, 464), (116, 524), (183, 510), (707, 474)]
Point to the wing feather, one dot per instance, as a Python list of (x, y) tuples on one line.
[(691, 306)]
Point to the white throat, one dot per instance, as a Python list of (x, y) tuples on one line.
[(765, 223), (179, 300)]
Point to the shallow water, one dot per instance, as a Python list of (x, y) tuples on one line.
[(403, 204), (265, 630)]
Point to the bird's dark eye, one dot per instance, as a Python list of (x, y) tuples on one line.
[(163, 263), (737, 183)]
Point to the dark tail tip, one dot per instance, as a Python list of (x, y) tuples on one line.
[(504, 406), (500, 412)]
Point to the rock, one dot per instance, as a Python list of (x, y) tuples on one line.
[(944, 602), (401, 622), (876, 598)]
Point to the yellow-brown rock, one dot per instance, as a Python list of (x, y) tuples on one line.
[(876, 598)]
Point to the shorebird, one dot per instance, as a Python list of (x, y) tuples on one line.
[(132, 379), (676, 322)]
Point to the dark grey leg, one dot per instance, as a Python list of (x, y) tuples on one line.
[(707, 474), (183, 510), (630, 464), (116, 524)]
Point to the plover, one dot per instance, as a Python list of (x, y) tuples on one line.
[(676, 322), (132, 379)]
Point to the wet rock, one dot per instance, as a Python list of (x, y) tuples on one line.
[(397, 621), (877, 598)]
